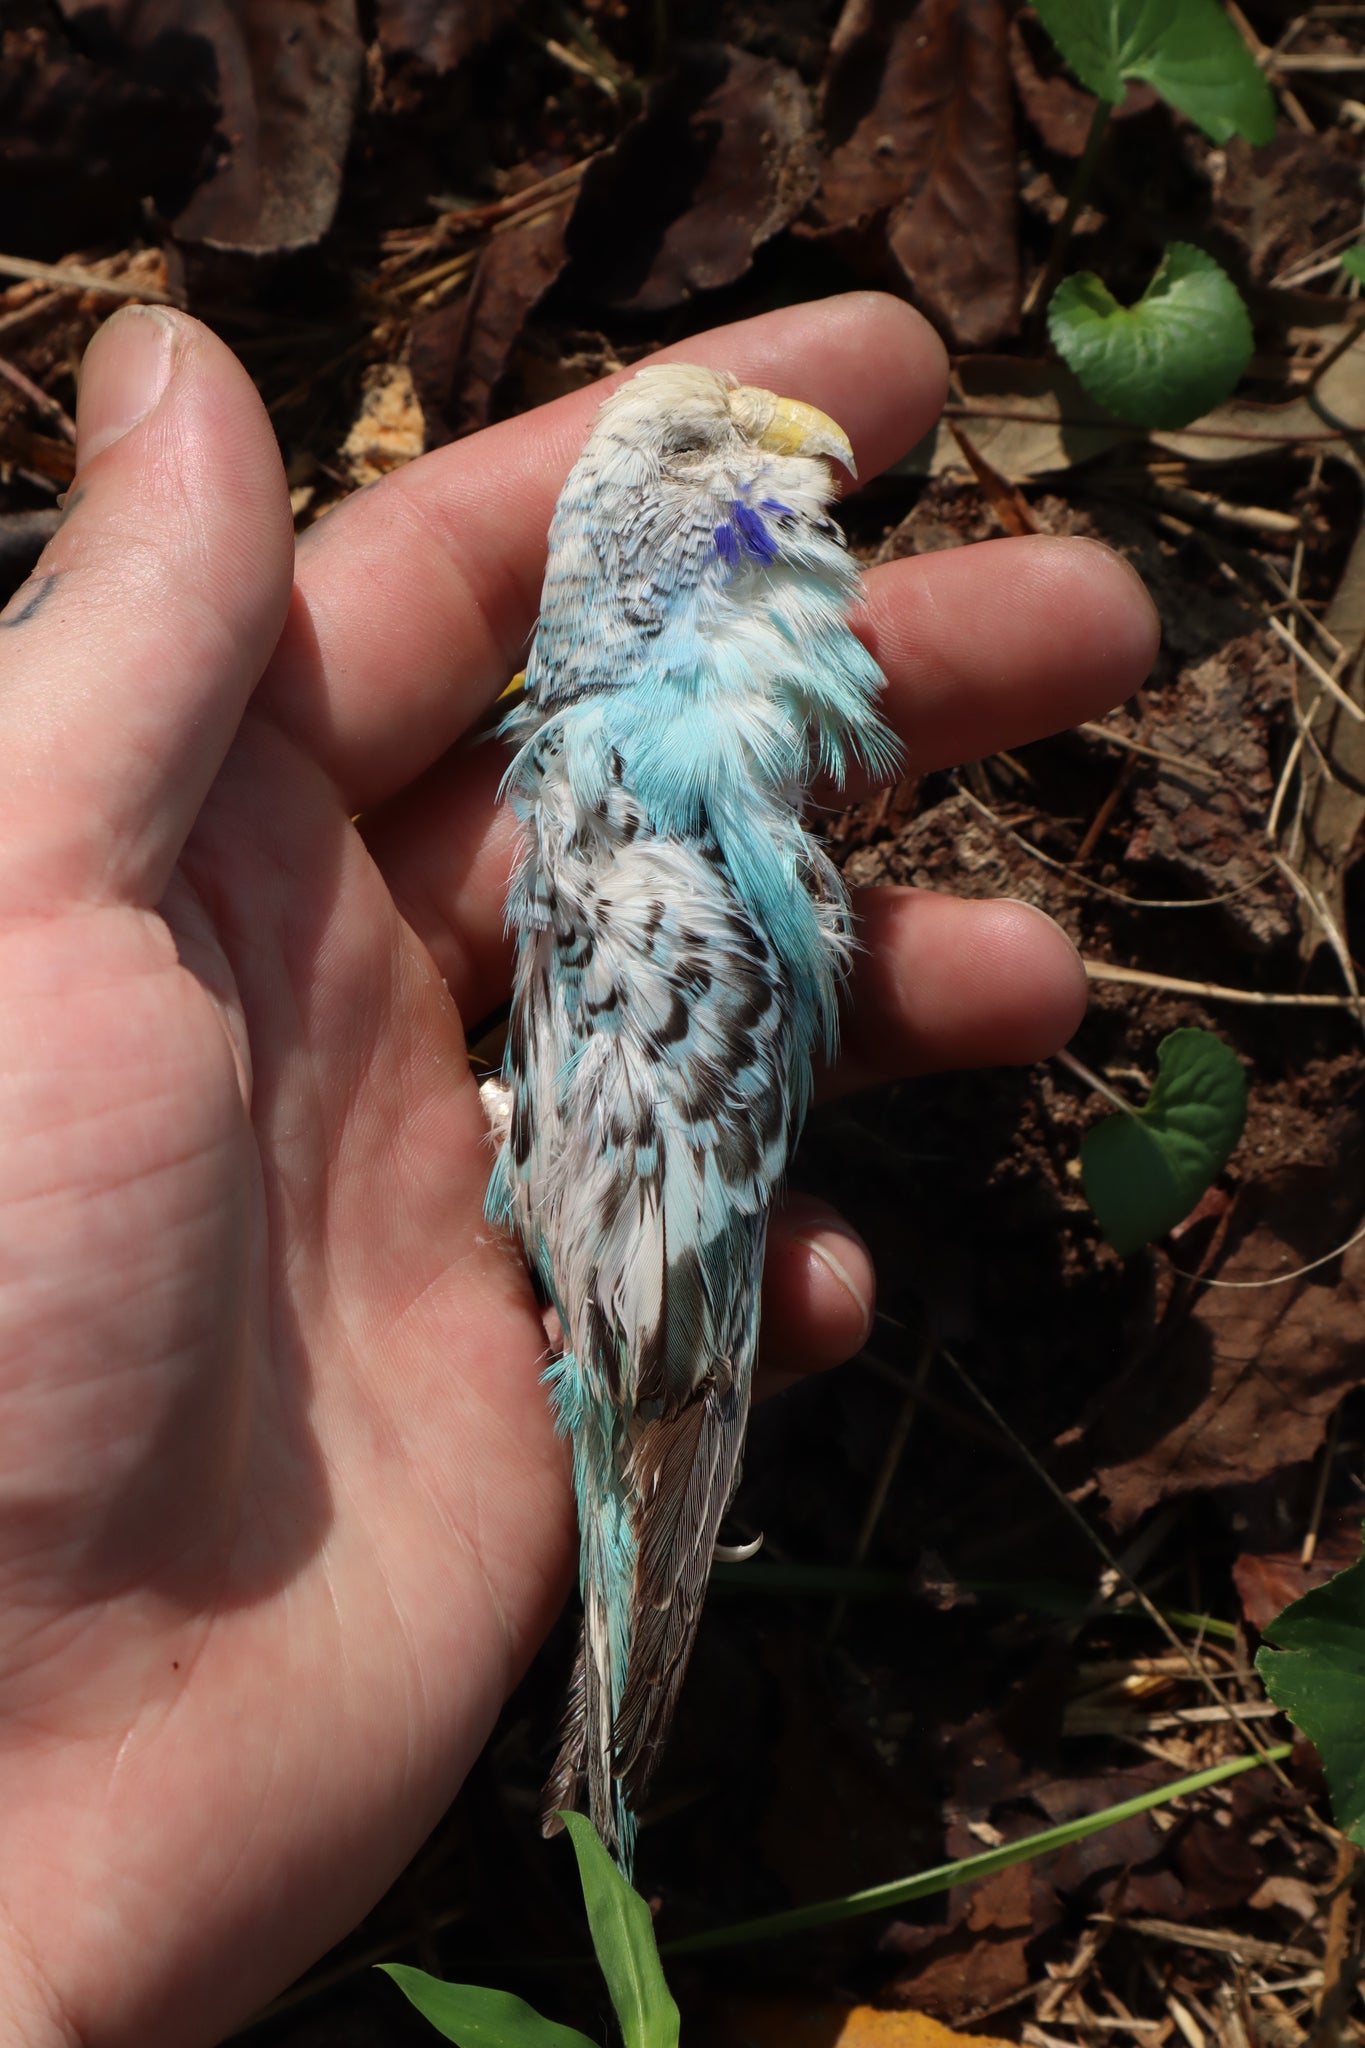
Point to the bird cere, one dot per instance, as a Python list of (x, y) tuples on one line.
[(680, 943)]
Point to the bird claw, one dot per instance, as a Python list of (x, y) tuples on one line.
[(736, 1553)]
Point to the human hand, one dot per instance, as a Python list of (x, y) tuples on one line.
[(282, 1515)]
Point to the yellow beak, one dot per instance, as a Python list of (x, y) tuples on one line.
[(787, 427)]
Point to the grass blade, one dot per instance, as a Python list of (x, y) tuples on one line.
[(623, 1936), (945, 1875)]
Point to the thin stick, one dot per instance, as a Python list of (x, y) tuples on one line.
[(1091, 1080), (1329, 1452), (1326, 65), (1320, 675), (1322, 259), (50, 407), (1137, 977), (1317, 903), (1286, 774), (1121, 739), (1264, 56), (881, 1486), (1034, 416), (1069, 875), (70, 277), (1277, 1279)]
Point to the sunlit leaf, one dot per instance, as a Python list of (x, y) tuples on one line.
[(1187, 50), (1144, 1172), (1166, 360), (475, 2017), (1317, 1674), (623, 1936)]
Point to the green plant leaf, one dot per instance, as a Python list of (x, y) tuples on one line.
[(623, 1936), (475, 2017), (1166, 360), (1317, 1675), (1353, 262), (1187, 50), (1142, 1172), (970, 1868)]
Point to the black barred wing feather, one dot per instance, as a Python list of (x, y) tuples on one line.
[(654, 1099)]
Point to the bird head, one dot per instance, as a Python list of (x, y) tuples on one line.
[(697, 503), (684, 420)]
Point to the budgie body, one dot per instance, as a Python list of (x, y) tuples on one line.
[(680, 943)]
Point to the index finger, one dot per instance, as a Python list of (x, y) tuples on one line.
[(416, 598)]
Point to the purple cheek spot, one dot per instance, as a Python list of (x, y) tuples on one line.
[(727, 543), (755, 536)]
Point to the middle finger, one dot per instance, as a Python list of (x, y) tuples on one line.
[(982, 647)]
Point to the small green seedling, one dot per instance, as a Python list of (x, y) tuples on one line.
[(623, 1938), (1144, 1170), (1183, 347), (1166, 360), (1316, 1674), (1186, 50)]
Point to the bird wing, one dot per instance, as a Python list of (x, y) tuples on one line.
[(655, 1090)]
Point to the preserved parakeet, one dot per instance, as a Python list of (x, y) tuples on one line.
[(680, 944)]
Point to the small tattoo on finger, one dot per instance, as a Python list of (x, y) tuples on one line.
[(28, 600)]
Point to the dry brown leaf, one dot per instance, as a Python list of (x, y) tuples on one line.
[(288, 78), (1285, 200), (1245, 1385), (460, 352), (1335, 811), (1027, 419), (1032, 419), (1267, 1581), (285, 75), (919, 112), (1200, 836), (439, 33), (818, 2023), (93, 123), (388, 429), (721, 160)]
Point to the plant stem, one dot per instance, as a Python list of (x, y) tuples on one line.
[(1092, 1080), (1046, 283)]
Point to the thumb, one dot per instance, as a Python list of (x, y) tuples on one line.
[(127, 658)]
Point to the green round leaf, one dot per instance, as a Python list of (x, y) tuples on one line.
[(1143, 1172), (1353, 262), (1165, 361), (1318, 1676), (474, 2017), (1187, 50)]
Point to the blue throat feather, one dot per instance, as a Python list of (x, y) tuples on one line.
[(681, 941)]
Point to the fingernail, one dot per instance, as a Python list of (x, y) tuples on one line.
[(126, 369), (821, 1243)]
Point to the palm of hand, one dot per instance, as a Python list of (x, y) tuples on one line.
[(282, 1515), (255, 1503)]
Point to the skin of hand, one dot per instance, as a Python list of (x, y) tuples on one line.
[(282, 1515)]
